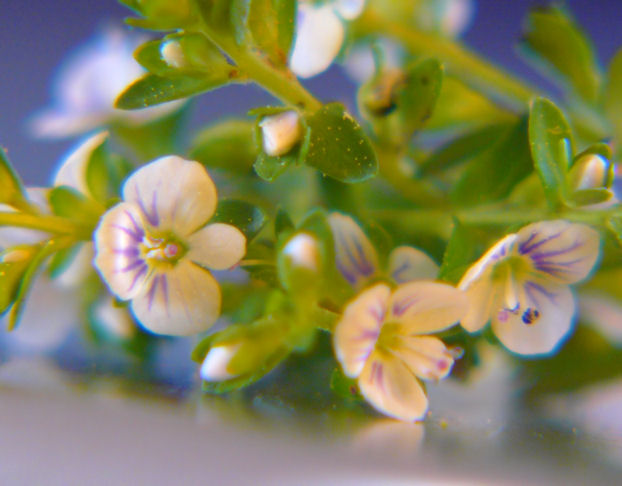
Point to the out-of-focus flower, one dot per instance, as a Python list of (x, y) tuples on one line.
[(280, 132), (522, 284), (155, 249), (383, 341), (302, 250), (88, 85), (447, 17), (319, 34), (113, 320), (604, 313), (357, 260)]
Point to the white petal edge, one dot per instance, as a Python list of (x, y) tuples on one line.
[(319, 35), (424, 307), (355, 256), (218, 246), (72, 171), (391, 388), (356, 333), (173, 193), (407, 263), (349, 9), (180, 302)]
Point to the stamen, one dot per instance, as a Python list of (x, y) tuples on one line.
[(530, 315)]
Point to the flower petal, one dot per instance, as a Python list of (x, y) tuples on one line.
[(179, 302), (355, 256), (424, 307), (426, 356), (218, 246), (72, 172), (407, 263), (543, 319), (356, 333), (390, 387), (349, 9), (482, 267), (481, 294), (117, 251), (561, 251), (319, 35), (173, 194)]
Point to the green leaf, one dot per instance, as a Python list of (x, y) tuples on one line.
[(249, 219), (71, 204), (271, 23), (613, 96), (160, 14), (344, 387), (463, 248), (105, 173), (551, 144), (11, 188), (282, 222), (560, 49), (270, 167), (614, 223), (338, 146), (13, 264), (493, 173), (228, 145), (239, 12), (586, 197), (152, 89)]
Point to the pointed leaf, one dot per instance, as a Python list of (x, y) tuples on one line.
[(11, 188), (228, 145), (249, 219), (463, 248)]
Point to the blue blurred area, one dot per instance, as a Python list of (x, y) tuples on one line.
[(35, 37)]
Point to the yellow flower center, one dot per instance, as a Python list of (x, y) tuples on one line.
[(165, 249)]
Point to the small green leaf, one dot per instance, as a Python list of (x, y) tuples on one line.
[(282, 222), (239, 12), (271, 23), (152, 89), (249, 219), (551, 144), (13, 264), (270, 167), (71, 204), (344, 387), (493, 173), (463, 248), (11, 188), (586, 197), (160, 14), (560, 48), (614, 223), (613, 96), (105, 173), (228, 145), (338, 146)]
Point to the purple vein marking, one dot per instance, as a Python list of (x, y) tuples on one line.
[(399, 270), (131, 266), (129, 252), (347, 275), (554, 253), (152, 291), (138, 274), (378, 312), (377, 374), (164, 286), (399, 308), (136, 236), (524, 248), (152, 216), (530, 287)]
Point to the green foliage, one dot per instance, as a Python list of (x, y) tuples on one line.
[(153, 89), (338, 146), (13, 265), (612, 101), (346, 388), (73, 205), (463, 248), (559, 47), (161, 14), (11, 188), (493, 173), (249, 219), (228, 145), (104, 174), (550, 138)]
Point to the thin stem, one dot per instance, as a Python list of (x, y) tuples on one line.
[(50, 224), (254, 263)]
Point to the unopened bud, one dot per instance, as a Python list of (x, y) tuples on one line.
[(303, 251), (589, 172), (216, 362), (280, 132), (173, 54)]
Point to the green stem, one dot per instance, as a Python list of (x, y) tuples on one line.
[(50, 224)]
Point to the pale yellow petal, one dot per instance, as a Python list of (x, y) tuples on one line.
[(180, 302), (356, 333), (173, 194), (407, 263), (426, 356), (218, 246), (424, 307), (391, 388), (481, 295)]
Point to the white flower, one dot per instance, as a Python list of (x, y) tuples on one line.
[(280, 132), (216, 362), (302, 249), (383, 340), (357, 260), (522, 284), (88, 85), (319, 34), (154, 247)]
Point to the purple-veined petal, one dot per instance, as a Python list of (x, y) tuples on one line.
[(358, 330), (355, 256), (181, 301), (560, 251), (319, 35), (424, 307), (407, 263), (391, 388), (72, 172), (482, 267), (218, 246), (426, 356), (349, 9), (481, 295), (117, 251), (543, 318), (173, 194)]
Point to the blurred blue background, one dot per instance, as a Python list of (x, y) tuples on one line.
[(36, 36)]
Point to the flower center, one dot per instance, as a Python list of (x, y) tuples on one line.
[(167, 249), (389, 334)]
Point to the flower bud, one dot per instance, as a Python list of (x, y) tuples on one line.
[(216, 362), (280, 132), (173, 54), (303, 251), (590, 172)]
